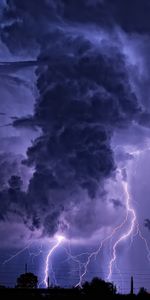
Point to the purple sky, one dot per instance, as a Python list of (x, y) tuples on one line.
[(74, 133)]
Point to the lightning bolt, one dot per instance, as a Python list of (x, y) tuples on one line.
[(110, 236), (124, 236), (128, 228), (133, 223), (95, 253), (17, 253), (146, 244), (59, 239), (131, 218), (34, 254), (75, 258)]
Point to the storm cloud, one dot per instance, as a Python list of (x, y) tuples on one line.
[(84, 96)]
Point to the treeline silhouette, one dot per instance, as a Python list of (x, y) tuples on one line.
[(27, 287)]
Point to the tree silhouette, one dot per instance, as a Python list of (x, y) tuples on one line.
[(142, 292), (99, 286), (27, 280)]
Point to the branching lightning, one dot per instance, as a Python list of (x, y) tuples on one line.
[(130, 220), (132, 225), (16, 254), (124, 236), (128, 228), (34, 254), (110, 236), (75, 259)]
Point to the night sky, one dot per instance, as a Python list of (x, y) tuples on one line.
[(75, 140)]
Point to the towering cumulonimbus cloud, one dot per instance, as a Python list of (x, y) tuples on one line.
[(84, 96)]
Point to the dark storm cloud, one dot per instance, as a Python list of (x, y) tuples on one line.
[(10, 67), (144, 119), (116, 202), (147, 224), (86, 12), (84, 95), (25, 22), (132, 16), (10, 163), (12, 198), (26, 122)]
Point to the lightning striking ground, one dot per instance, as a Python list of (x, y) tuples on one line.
[(59, 239), (130, 220), (124, 236), (110, 236), (133, 223), (129, 227)]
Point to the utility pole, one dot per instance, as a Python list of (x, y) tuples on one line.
[(132, 286)]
